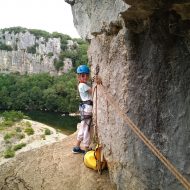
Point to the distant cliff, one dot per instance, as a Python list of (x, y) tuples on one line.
[(35, 51)]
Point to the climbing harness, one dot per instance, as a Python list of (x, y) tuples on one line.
[(87, 118), (88, 102), (146, 141)]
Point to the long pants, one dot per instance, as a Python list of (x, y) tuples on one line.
[(84, 133)]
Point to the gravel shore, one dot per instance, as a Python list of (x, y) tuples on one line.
[(37, 140)]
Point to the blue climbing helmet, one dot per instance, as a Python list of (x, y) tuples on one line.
[(83, 69)]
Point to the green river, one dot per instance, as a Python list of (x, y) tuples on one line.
[(64, 124)]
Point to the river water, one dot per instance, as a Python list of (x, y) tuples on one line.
[(64, 124)]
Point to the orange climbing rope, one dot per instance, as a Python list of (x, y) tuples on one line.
[(100, 161), (147, 142)]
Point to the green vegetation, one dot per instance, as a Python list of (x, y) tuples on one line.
[(5, 124), (5, 47), (29, 131), (40, 33), (32, 49), (20, 135), (15, 29), (14, 134), (18, 130), (50, 54), (9, 118), (37, 92), (63, 38), (42, 91), (47, 132), (9, 153), (28, 124), (9, 135), (19, 146), (13, 116), (58, 64), (78, 54)]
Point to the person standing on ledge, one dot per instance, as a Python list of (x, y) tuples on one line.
[(85, 109)]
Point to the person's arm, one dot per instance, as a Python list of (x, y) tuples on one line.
[(97, 79), (90, 91)]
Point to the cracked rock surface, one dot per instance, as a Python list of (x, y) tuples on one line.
[(51, 167)]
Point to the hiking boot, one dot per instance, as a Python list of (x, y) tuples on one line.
[(77, 150)]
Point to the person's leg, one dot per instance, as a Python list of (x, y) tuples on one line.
[(80, 134), (87, 135), (78, 143)]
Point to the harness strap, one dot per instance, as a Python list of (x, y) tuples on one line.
[(88, 102), (83, 117)]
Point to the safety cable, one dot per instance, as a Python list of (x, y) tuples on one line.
[(138, 132)]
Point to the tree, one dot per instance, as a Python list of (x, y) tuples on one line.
[(39, 92), (31, 49)]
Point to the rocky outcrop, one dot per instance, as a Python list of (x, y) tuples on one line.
[(143, 50), (25, 63), (92, 17), (30, 54), (52, 167)]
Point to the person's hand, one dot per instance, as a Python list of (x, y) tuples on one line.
[(97, 79)]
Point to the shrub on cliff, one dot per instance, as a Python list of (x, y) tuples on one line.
[(29, 131), (31, 49), (47, 132), (13, 115), (9, 135), (5, 124), (19, 146), (5, 47), (9, 153)]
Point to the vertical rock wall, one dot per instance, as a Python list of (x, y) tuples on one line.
[(144, 62)]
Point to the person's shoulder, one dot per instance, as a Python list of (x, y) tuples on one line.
[(84, 87), (83, 84)]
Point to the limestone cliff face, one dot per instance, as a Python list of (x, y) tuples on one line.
[(31, 54), (143, 49)]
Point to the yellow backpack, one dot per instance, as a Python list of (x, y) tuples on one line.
[(94, 159)]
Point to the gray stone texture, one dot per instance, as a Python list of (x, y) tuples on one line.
[(91, 16), (20, 60), (143, 53)]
